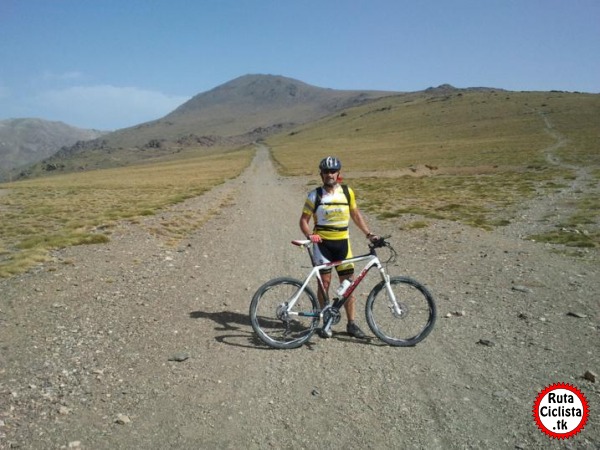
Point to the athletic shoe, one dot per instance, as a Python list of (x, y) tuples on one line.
[(353, 330)]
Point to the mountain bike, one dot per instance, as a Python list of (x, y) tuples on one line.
[(285, 312)]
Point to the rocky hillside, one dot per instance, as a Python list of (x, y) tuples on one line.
[(26, 141), (240, 111), (262, 100), (242, 106)]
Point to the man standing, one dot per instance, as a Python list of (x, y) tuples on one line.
[(332, 206)]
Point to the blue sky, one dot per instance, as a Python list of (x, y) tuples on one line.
[(110, 64)]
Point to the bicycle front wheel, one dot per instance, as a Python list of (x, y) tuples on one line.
[(272, 319), (411, 322)]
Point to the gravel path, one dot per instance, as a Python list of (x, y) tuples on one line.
[(138, 344)]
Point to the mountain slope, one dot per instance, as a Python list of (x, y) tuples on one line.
[(240, 111), (25, 141), (262, 100), (240, 106), (448, 128)]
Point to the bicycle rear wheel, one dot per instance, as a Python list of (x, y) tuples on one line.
[(414, 321), (271, 320)]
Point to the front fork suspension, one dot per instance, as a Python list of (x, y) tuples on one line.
[(388, 287)]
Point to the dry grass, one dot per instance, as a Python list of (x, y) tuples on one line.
[(483, 201), (579, 229), (81, 208), (486, 151), (177, 225), (472, 129)]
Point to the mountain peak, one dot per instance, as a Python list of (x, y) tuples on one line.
[(262, 100), (257, 90), (442, 88)]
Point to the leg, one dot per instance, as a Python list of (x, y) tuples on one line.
[(352, 328), (325, 274), (326, 277), (350, 303)]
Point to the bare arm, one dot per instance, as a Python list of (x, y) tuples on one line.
[(305, 224), (360, 222)]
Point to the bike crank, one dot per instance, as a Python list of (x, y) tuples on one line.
[(332, 314)]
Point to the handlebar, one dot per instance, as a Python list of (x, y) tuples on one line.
[(381, 242), (378, 243)]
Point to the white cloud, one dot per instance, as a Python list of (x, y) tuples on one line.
[(104, 107)]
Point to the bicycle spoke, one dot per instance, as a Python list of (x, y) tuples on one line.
[(271, 318), (407, 324)]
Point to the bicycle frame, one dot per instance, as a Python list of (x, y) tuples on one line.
[(373, 261), (284, 311)]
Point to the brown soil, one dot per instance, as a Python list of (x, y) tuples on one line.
[(90, 342)]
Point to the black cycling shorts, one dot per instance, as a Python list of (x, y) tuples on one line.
[(334, 250)]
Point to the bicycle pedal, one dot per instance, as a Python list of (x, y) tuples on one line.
[(325, 334)]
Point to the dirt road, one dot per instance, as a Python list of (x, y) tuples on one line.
[(137, 344)]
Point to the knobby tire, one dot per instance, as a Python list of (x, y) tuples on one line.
[(404, 330), (265, 313)]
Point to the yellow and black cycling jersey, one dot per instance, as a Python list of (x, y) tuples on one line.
[(331, 212)]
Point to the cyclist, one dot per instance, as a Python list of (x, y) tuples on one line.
[(331, 207)]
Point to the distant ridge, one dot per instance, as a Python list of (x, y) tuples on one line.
[(242, 105), (235, 113), (449, 89), (26, 140), (264, 94)]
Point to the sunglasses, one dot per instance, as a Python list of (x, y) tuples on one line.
[(329, 171)]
